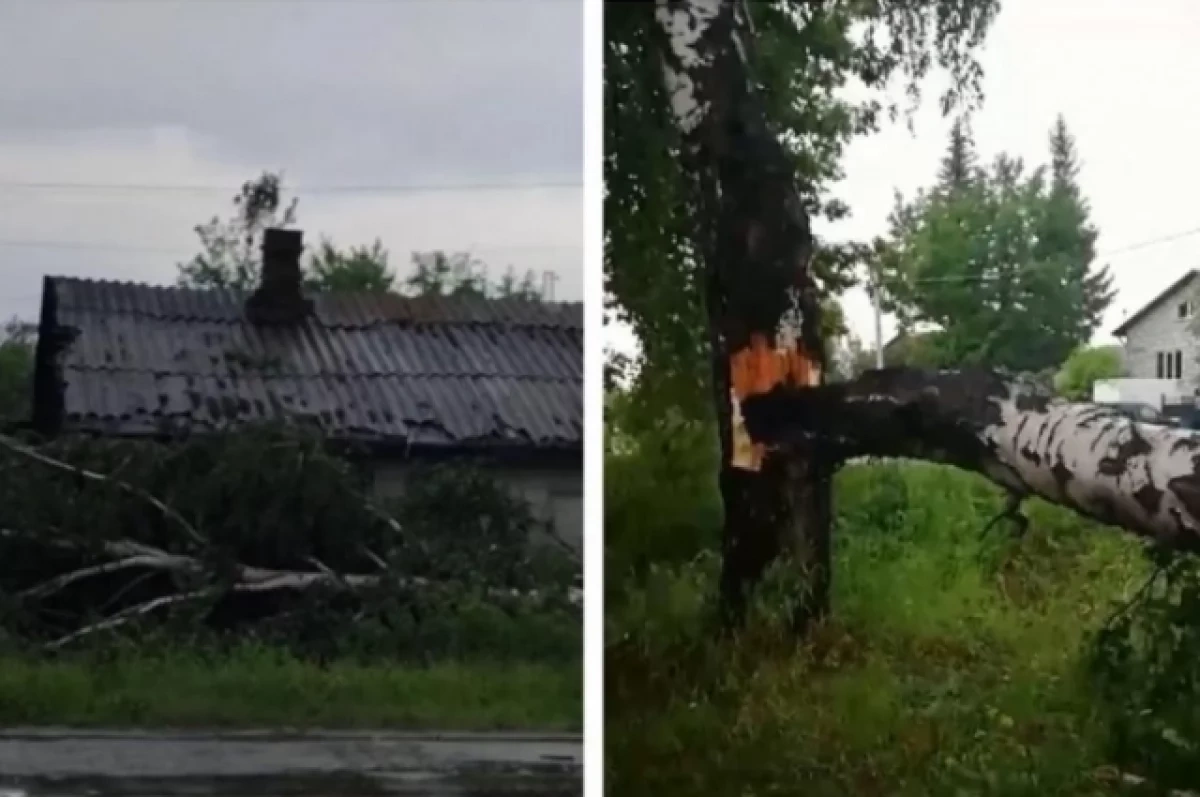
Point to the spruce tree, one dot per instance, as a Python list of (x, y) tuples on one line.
[(959, 166), (1067, 231)]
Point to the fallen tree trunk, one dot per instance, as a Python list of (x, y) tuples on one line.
[(247, 580), (1090, 458), (127, 555)]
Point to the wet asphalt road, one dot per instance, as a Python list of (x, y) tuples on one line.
[(66, 763)]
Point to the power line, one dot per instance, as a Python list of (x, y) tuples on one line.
[(382, 188), (970, 278), (1151, 242), (178, 251)]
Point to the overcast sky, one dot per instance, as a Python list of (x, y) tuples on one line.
[(1122, 73), (334, 92)]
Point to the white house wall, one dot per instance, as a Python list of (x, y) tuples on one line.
[(1163, 330), (555, 495)]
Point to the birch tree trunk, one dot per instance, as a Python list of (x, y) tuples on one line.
[(764, 312), (1090, 458)]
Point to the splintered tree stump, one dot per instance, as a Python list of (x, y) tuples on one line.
[(1087, 457), (763, 303)]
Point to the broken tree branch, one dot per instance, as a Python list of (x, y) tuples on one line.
[(130, 555), (17, 447), (1086, 457)]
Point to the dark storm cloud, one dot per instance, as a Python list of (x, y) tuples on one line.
[(349, 91), (211, 92)]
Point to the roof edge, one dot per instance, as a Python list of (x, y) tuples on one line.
[(1171, 289)]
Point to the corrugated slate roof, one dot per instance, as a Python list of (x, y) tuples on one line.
[(447, 371)]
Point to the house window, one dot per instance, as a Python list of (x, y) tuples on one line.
[(1170, 364), (1185, 309)]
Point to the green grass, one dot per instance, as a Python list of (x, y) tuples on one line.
[(953, 664), (255, 687)]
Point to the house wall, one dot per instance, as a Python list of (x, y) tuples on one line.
[(555, 495), (1162, 330)]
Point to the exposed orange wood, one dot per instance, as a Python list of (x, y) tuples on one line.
[(755, 369)]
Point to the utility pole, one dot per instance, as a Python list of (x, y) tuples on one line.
[(874, 289), (548, 280), (877, 307)]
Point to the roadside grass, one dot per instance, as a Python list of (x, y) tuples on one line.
[(953, 663), (255, 687)]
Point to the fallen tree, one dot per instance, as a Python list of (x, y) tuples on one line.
[(258, 532), (1086, 457)]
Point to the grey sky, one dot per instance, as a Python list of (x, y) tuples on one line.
[(1118, 70), (333, 92)]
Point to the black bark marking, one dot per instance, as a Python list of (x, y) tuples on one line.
[(1187, 490), (1092, 414), (1062, 474), (1133, 446), (1030, 454), (1102, 434), (1149, 498), (1042, 438), (1021, 425), (1189, 443), (1054, 427)]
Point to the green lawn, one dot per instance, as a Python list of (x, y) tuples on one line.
[(953, 665), (254, 687)]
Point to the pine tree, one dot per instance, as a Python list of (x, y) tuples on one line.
[(959, 166)]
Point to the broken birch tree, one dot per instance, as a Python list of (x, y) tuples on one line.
[(1090, 458), (762, 300)]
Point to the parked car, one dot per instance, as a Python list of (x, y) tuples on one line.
[(1144, 413)]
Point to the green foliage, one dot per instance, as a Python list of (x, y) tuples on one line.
[(1000, 261), (660, 492), (955, 663), (361, 268), (914, 349), (805, 55), (1085, 367), (510, 286), (231, 250), (16, 369), (1145, 667), (438, 273)]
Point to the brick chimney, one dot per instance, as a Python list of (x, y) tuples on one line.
[(279, 298)]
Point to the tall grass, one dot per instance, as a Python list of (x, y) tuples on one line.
[(953, 664), (256, 686)]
